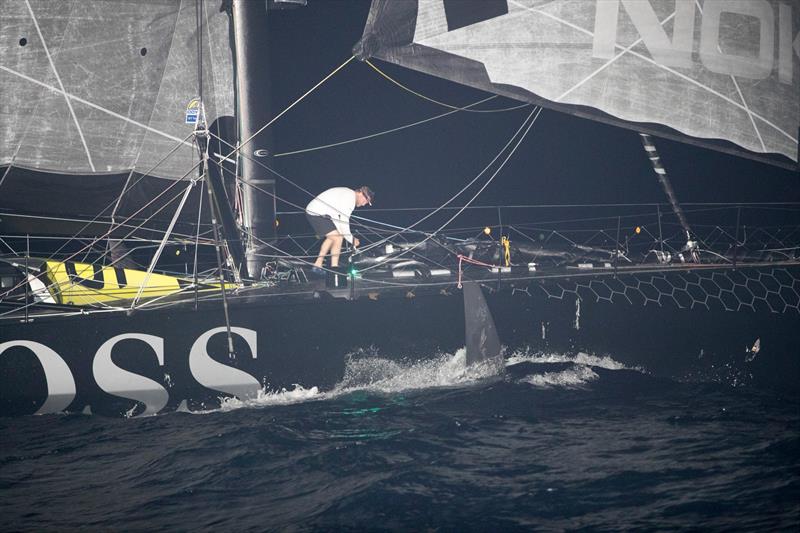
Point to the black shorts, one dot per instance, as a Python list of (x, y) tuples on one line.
[(322, 225)]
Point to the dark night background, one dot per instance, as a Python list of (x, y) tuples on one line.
[(563, 160), (569, 436)]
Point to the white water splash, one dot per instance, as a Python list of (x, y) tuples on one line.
[(579, 358), (367, 371), (573, 377), (298, 394), (580, 373), (382, 375)]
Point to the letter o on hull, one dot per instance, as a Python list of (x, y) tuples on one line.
[(60, 383)]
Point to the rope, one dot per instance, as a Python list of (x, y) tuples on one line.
[(279, 115), (530, 120), (464, 259), (437, 102), (392, 130)]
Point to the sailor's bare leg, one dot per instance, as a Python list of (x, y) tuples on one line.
[(336, 248), (323, 251)]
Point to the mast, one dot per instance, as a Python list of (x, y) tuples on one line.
[(251, 47)]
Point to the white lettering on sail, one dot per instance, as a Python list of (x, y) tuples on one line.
[(785, 67), (125, 384), (217, 376), (677, 53), (60, 383), (757, 66), (431, 19), (756, 63)]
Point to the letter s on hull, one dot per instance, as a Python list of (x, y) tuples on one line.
[(219, 377), (60, 383), (119, 382)]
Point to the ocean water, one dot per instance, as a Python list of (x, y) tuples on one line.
[(550, 442)]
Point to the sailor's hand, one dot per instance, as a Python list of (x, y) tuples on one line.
[(356, 242)]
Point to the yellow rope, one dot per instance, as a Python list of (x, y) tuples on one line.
[(437, 102)]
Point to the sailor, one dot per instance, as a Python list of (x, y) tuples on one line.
[(329, 215)]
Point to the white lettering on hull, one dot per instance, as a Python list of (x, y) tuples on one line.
[(217, 376), (125, 384), (112, 379), (60, 383)]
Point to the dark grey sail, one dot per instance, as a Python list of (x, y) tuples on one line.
[(101, 86), (100, 102), (723, 74)]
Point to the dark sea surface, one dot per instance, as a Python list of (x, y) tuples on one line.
[(554, 442)]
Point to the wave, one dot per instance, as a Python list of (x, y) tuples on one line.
[(579, 358), (574, 377), (369, 372), (575, 370)]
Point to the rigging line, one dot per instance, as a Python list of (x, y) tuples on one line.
[(240, 181), (121, 194), (180, 237), (10, 164), (437, 102), (558, 206), (658, 65), (105, 235), (88, 246), (198, 18), (469, 184), (531, 120), (263, 165), (140, 178), (8, 246), (92, 105), (158, 95), (366, 221), (157, 255), (60, 84), (267, 168), (279, 115), (392, 130), (197, 240), (534, 113)]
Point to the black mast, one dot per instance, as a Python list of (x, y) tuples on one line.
[(251, 49)]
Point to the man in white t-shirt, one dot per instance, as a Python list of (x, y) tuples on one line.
[(329, 215)]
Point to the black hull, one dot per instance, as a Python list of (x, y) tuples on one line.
[(308, 342)]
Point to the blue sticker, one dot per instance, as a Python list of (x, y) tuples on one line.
[(193, 111)]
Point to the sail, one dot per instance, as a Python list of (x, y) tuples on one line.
[(103, 86), (722, 73)]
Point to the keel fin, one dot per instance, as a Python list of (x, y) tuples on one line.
[(482, 342)]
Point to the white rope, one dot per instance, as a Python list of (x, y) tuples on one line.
[(530, 120), (536, 111), (157, 255), (385, 132), (279, 115)]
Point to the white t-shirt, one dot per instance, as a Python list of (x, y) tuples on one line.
[(337, 203)]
